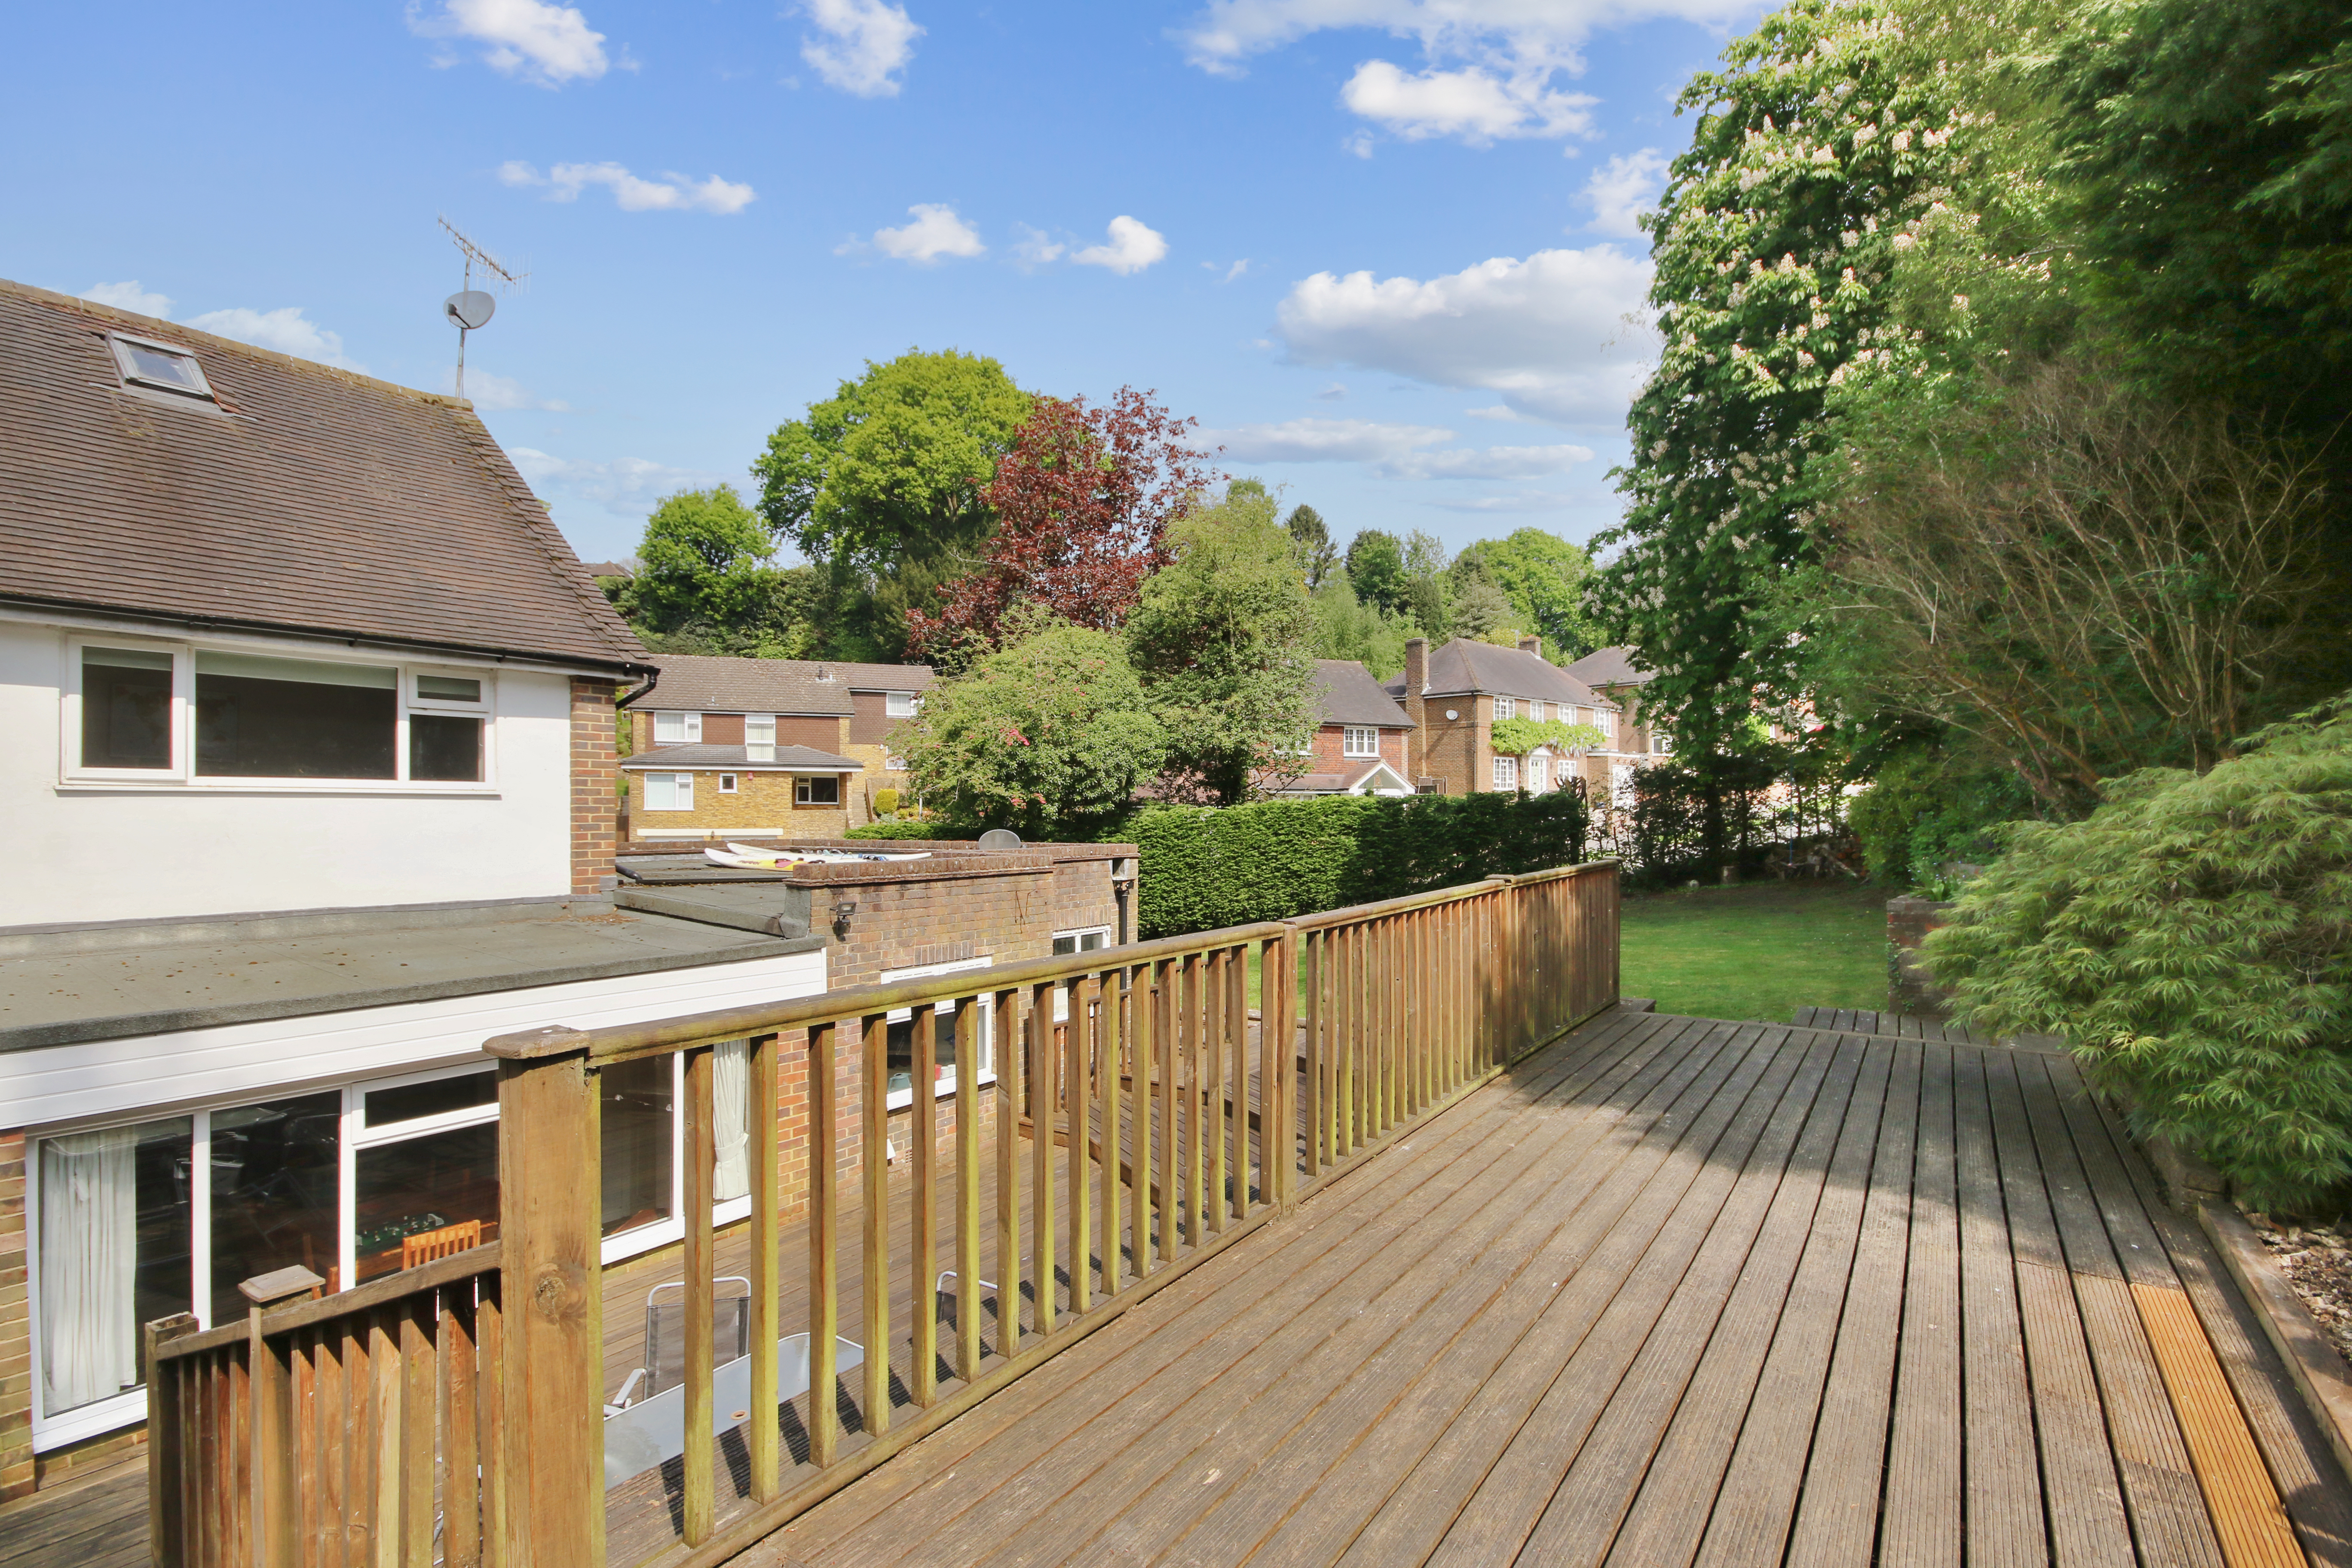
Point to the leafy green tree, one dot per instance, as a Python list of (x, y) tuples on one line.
[(1481, 609), (1310, 540), (1543, 578), (1376, 569), (880, 486), (708, 582), (1347, 627), (1047, 735), (1223, 639)]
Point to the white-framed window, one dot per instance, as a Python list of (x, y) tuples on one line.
[(1505, 707), (136, 711), (1605, 719), (759, 729), (901, 704), (1086, 939), (894, 764), (900, 1044), (1506, 772), (668, 792), (1361, 741), (677, 729), (727, 784), (164, 366), (1660, 742), (1536, 709), (823, 790)]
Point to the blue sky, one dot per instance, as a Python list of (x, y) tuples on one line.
[(1381, 248)]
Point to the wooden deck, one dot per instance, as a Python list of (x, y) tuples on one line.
[(1675, 1291)]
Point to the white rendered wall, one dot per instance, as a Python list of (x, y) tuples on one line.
[(74, 853)]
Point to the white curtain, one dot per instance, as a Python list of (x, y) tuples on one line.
[(731, 1097), (90, 1263)]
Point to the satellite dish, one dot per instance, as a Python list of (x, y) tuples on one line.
[(1000, 839), (470, 309)]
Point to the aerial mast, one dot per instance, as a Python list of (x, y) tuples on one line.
[(470, 309)]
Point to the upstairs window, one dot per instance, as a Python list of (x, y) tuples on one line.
[(1535, 710), (1361, 741), (672, 729), (147, 364), (1504, 709), (901, 704), (1606, 720), (759, 729), (267, 718)]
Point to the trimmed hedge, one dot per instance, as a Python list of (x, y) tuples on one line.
[(1204, 868), (899, 830)]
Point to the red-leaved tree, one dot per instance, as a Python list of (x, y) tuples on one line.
[(1083, 502)]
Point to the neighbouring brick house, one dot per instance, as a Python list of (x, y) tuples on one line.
[(1458, 694), (290, 835), (1362, 741), (708, 744), (1614, 676)]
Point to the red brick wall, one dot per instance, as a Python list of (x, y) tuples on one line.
[(872, 723), (15, 1327), (723, 729), (1331, 745), (595, 784)]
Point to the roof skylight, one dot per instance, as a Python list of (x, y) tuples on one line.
[(146, 364)]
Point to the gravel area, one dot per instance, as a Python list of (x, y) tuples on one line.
[(2317, 1261)]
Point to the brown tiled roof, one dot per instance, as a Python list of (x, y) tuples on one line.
[(1610, 667), (702, 683), (1463, 666), (1348, 694), (279, 507)]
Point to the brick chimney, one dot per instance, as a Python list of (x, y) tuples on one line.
[(1531, 644), (1416, 677)]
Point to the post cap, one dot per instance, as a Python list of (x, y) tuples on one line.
[(278, 1284)]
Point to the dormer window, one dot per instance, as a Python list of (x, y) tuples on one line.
[(160, 365)]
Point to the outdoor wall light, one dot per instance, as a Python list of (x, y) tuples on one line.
[(841, 914)]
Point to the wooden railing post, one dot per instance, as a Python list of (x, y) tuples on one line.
[(552, 1443)]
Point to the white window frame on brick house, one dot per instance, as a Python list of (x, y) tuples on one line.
[(901, 704), (667, 791), (899, 1099), (804, 793), (1605, 721), (675, 727), (1505, 707), (1661, 743), (1506, 772), (759, 729), (184, 772), (727, 784), (1082, 939), (1360, 740)]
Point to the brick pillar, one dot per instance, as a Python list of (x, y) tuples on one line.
[(15, 1327), (1416, 677), (595, 774)]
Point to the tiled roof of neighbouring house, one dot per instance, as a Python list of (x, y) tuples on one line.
[(1349, 694), (771, 759), (1462, 666), (700, 682), (278, 505), (1609, 666)]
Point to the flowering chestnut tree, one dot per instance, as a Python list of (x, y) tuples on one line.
[(1083, 504)]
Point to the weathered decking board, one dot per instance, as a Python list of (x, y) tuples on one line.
[(1673, 1291)]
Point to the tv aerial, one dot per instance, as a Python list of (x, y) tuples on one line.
[(470, 309)]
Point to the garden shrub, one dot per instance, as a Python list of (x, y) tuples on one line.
[(885, 801), (1925, 807), (2191, 940), (1205, 868), (908, 829)]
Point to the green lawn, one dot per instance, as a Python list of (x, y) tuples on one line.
[(1758, 952)]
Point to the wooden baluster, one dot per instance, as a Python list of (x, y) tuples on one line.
[(1041, 1087), (331, 1418), (967, 1167), (1011, 1030), (1237, 1076), (701, 1290), (874, 1038), (243, 1485), (1277, 1058), (1110, 1039), (419, 1427), (461, 1476), (1312, 1091), (1077, 1100), (1143, 1050), (270, 1387), (167, 1440), (923, 1279), (489, 1346), (390, 1450), (1165, 1011), (1190, 1009), (762, 1437), (824, 1286), (1224, 975)]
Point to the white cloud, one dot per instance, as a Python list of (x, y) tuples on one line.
[(1132, 247), (1036, 247), (1497, 411), (1360, 142), (1226, 33), (620, 485), (670, 193), (1393, 451), (1514, 501), (1552, 334), (485, 390), (544, 44), (1473, 104), (1332, 393), (864, 42), (285, 330), (129, 296), (937, 231), (1623, 188)]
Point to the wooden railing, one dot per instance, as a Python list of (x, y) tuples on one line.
[(1141, 1125), (1143, 1116), (345, 1431)]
